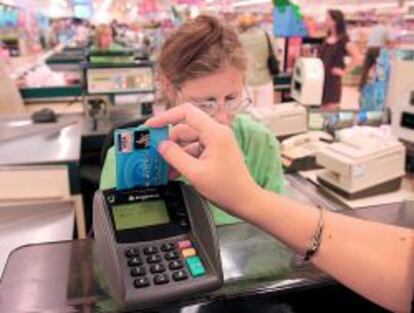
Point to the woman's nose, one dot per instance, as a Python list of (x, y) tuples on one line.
[(222, 116)]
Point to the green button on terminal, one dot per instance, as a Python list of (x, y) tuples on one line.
[(196, 267)]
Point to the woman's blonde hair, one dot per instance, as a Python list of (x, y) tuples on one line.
[(99, 31), (200, 47)]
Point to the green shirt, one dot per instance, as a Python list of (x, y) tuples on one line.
[(261, 154)]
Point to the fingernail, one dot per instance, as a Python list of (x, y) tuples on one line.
[(149, 121)]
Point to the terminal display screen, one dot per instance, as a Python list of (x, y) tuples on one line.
[(407, 120), (120, 80), (140, 214), (298, 86)]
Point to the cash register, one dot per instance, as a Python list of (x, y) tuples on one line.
[(362, 166), (156, 244), (283, 120), (299, 152), (117, 90), (291, 118)]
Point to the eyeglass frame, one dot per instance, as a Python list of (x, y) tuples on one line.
[(241, 106)]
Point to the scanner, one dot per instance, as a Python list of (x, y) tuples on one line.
[(156, 244), (307, 81), (45, 115), (362, 166), (402, 123)]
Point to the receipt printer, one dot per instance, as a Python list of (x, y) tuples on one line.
[(282, 119), (299, 152), (362, 167), (307, 81), (156, 244)]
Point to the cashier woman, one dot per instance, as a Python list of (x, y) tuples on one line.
[(104, 40), (203, 62), (238, 168), (104, 43)]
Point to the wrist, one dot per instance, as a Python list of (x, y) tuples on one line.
[(292, 223), (250, 205)]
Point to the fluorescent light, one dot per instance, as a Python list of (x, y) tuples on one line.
[(242, 3)]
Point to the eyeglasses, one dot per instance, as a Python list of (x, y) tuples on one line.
[(211, 107), (231, 106)]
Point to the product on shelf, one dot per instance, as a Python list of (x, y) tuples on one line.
[(42, 76)]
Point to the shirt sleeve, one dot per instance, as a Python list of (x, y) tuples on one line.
[(265, 163), (262, 157), (262, 154), (107, 180)]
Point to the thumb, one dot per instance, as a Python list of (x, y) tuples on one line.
[(178, 158)]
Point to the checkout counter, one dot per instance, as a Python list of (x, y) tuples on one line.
[(66, 276), (41, 149)]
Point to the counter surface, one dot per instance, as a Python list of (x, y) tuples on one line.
[(23, 142), (65, 276)]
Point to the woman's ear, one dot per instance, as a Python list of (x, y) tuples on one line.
[(168, 91), (168, 88)]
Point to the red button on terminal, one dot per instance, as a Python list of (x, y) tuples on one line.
[(184, 244)]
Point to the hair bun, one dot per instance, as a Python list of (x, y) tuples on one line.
[(199, 47), (211, 30), (207, 32)]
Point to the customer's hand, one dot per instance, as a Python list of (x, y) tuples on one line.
[(207, 154)]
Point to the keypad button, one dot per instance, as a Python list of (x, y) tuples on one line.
[(184, 244), (180, 275), (172, 255), (160, 279), (174, 204), (141, 282), (138, 271), (150, 250), (181, 213), (157, 268), (155, 258), (131, 253), (167, 247), (188, 252), (135, 262), (175, 265), (196, 267)]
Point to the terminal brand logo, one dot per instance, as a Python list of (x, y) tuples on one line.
[(142, 139)]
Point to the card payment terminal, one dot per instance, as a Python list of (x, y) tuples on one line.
[(156, 244)]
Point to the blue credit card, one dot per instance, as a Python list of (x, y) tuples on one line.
[(138, 162)]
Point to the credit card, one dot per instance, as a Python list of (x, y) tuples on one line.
[(138, 163)]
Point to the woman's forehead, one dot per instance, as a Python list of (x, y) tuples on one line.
[(220, 84)]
